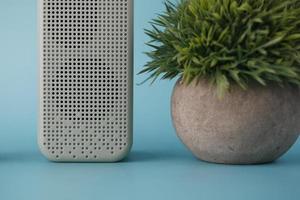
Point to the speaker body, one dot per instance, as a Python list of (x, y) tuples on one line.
[(86, 79)]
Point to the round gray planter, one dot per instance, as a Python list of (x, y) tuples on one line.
[(251, 126)]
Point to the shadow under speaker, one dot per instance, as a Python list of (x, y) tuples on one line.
[(86, 79)]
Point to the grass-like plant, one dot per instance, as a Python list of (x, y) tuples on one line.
[(227, 42)]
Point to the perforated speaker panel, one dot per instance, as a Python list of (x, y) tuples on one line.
[(86, 65)]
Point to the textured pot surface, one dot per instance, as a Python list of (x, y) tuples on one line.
[(244, 127)]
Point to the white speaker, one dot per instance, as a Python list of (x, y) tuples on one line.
[(86, 79)]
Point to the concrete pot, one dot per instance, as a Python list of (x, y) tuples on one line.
[(244, 127)]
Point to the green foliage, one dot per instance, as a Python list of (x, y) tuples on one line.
[(227, 42)]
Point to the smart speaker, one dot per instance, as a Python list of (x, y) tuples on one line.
[(86, 79)]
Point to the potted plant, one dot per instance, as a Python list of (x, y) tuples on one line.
[(237, 98)]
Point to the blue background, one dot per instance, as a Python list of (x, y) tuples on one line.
[(159, 166)]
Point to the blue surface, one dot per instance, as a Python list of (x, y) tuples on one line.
[(159, 166)]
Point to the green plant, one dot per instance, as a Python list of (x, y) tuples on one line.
[(227, 42)]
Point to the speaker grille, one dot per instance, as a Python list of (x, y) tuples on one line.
[(86, 79)]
